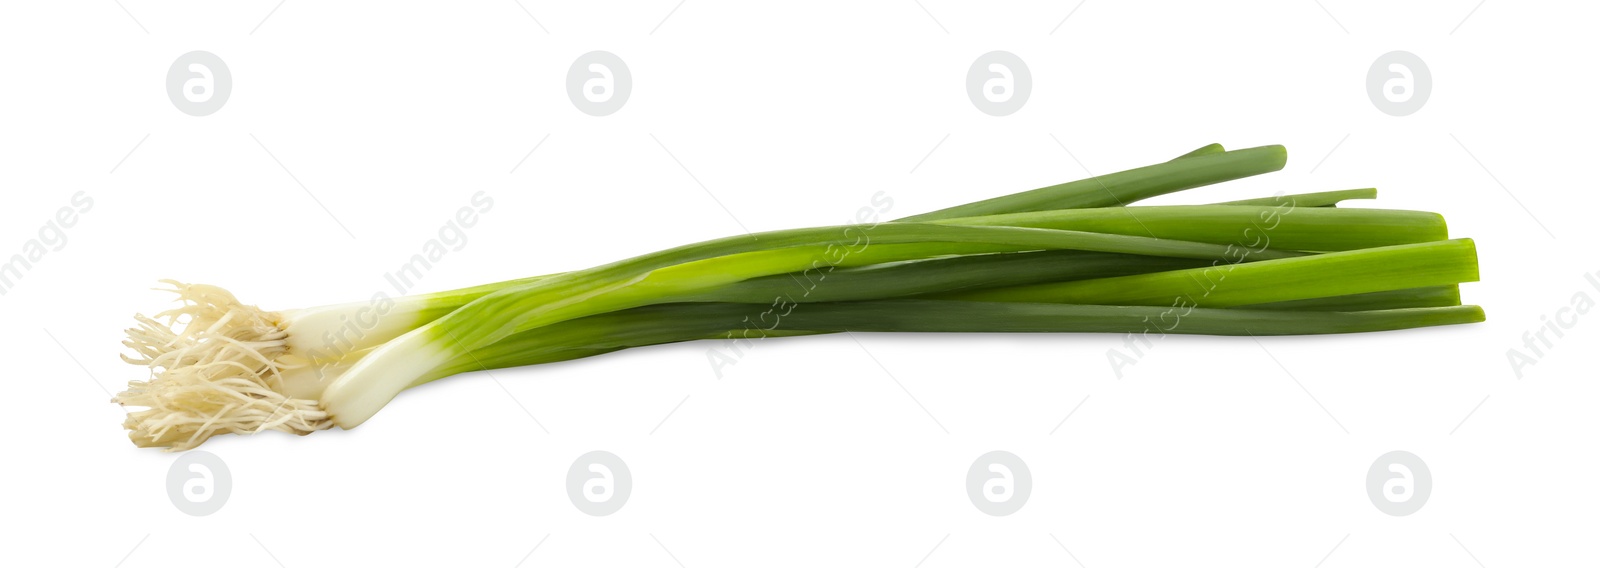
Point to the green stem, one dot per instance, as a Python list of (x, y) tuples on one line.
[(1380, 269), (1429, 297), (374, 380), (670, 323), (1128, 186), (1092, 192), (1318, 199), (1208, 149), (1281, 227), (939, 275)]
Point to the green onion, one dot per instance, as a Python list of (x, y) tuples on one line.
[(1065, 258)]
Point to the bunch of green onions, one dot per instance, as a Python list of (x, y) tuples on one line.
[(1073, 257)]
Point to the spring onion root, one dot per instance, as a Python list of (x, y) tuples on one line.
[(1074, 257)]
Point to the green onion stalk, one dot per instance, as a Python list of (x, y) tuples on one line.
[(1073, 257)]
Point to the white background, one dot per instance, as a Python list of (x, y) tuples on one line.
[(820, 450)]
